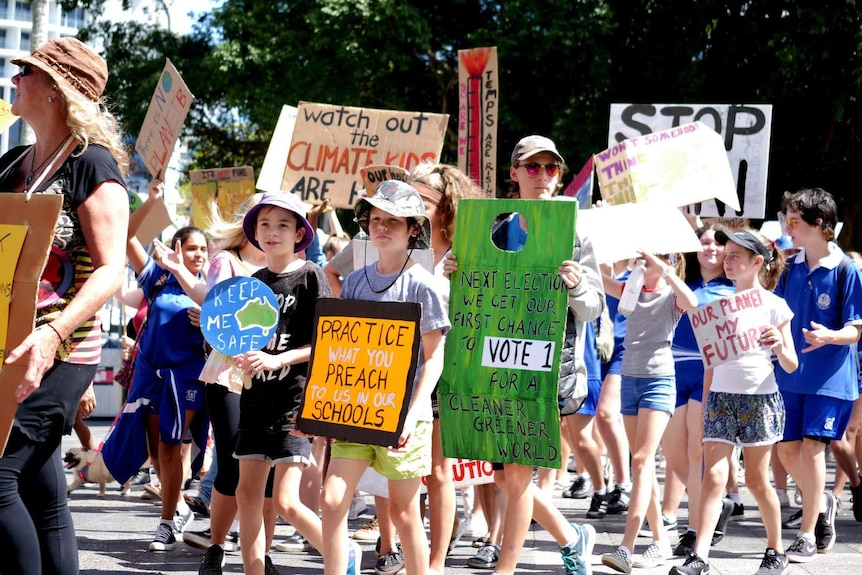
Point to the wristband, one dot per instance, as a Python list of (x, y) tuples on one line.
[(54, 329)]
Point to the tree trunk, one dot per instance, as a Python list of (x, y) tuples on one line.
[(38, 36)]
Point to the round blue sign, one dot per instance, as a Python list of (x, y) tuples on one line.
[(239, 315)]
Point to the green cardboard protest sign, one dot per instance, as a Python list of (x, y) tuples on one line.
[(498, 392)]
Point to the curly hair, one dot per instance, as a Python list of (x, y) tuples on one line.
[(452, 184), (91, 123)]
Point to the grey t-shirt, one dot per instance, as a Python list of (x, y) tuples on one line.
[(649, 332), (415, 285)]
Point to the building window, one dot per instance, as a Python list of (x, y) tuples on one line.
[(23, 11), (25, 42), (73, 18), (4, 8), (3, 38)]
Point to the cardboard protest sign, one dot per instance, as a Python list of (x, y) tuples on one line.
[(729, 327), (746, 132), (478, 95), (239, 315), (6, 116), (330, 145), (228, 188), (498, 392), (269, 178), (20, 270), (155, 222), (680, 166), (373, 176), (164, 120), (621, 232), (360, 375)]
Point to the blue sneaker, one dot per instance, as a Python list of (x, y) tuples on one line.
[(577, 555), (354, 558)]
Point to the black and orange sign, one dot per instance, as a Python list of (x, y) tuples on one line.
[(360, 376)]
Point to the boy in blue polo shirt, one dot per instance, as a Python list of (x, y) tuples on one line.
[(818, 396)]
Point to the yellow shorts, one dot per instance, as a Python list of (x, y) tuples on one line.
[(415, 462)]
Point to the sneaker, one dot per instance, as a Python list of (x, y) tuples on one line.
[(231, 542), (857, 501), (685, 547), (198, 505), (738, 513), (774, 563), (212, 561), (824, 530), (619, 560), (368, 532), (721, 524), (802, 551), (577, 555), (783, 498), (618, 501), (357, 508), (797, 497), (598, 506), (464, 524), (182, 520), (580, 489), (269, 566), (294, 543), (485, 558), (669, 526), (654, 556), (480, 542), (793, 522), (203, 540), (389, 563), (164, 539), (693, 565), (354, 558), (142, 477)]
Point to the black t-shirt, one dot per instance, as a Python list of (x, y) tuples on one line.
[(273, 399)]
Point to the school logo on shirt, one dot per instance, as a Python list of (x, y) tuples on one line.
[(829, 423), (191, 395), (824, 301)]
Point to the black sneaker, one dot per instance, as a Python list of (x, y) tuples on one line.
[(793, 522), (269, 567), (618, 501), (212, 561), (164, 539), (598, 506), (721, 525), (693, 565), (580, 489), (485, 558), (685, 547), (738, 513), (774, 563), (824, 530), (857, 501)]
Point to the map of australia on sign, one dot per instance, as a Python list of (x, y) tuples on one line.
[(239, 315)]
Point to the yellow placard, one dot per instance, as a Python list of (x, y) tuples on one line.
[(11, 241)]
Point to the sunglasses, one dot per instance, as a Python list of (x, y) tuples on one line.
[(25, 70), (533, 169), (788, 223)]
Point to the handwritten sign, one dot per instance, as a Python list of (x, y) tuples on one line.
[(227, 187), (478, 96), (239, 315), (331, 144), (6, 116), (730, 327), (11, 241), (373, 176), (360, 376), (745, 130), (164, 120), (40, 213), (498, 391), (680, 166), (269, 178)]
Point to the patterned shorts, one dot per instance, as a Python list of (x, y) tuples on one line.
[(746, 420)]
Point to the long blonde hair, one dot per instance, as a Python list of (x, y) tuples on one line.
[(91, 123), (230, 235)]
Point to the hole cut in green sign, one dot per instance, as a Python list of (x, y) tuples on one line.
[(509, 232)]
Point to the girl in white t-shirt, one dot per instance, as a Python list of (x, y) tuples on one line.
[(743, 405)]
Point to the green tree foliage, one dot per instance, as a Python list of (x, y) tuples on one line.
[(562, 63)]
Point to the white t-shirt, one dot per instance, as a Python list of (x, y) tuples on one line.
[(754, 373)]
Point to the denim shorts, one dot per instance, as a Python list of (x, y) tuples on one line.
[(745, 420), (658, 392)]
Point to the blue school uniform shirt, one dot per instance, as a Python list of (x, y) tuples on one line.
[(813, 295)]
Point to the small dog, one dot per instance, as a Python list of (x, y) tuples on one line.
[(89, 467)]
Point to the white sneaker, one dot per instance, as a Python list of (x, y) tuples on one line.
[(183, 519), (654, 556), (783, 498), (357, 508)]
